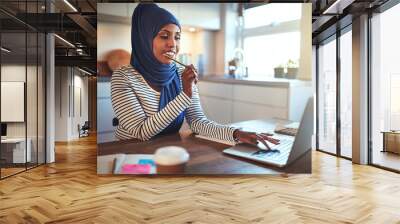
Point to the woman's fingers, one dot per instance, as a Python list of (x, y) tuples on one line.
[(189, 77), (194, 71), (261, 139), (268, 138), (192, 78), (267, 134), (253, 138), (273, 140)]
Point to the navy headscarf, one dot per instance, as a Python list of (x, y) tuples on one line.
[(147, 21)]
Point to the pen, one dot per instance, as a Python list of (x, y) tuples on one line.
[(175, 60), (186, 66)]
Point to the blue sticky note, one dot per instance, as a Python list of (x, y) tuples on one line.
[(147, 161)]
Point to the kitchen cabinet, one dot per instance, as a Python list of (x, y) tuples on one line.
[(216, 101), (216, 90), (205, 16), (104, 106), (217, 109), (269, 96), (228, 103), (243, 111)]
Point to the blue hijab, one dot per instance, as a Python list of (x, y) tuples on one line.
[(147, 21)]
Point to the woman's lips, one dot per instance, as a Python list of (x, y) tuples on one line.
[(170, 54)]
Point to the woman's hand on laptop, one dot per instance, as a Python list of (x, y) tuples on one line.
[(253, 138)]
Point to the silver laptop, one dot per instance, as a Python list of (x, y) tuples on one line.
[(289, 149)]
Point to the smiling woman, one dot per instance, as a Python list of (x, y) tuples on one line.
[(166, 42), (152, 96)]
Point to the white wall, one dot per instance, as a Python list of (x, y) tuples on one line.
[(67, 115), (305, 42), (226, 39), (199, 44), (80, 82), (205, 42), (112, 36), (34, 124), (17, 73), (61, 103)]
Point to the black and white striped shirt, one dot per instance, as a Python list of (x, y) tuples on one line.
[(135, 104)]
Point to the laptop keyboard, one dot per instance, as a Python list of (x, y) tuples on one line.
[(277, 152)]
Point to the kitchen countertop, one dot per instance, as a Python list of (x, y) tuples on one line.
[(267, 82)]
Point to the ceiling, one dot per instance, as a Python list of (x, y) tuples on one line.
[(76, 22), (330, 15)]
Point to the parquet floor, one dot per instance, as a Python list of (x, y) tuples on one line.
[(69, 191), (386, 159)]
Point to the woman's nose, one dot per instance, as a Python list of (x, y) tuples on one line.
[(171, 42)]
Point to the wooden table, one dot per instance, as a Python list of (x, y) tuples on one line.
[(206, 157), (391, 141)]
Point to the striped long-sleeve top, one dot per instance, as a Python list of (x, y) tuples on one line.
[(135, 104)]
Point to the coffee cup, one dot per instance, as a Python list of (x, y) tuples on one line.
[(171, 160)]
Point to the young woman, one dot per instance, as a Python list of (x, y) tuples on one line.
[(152, 95)]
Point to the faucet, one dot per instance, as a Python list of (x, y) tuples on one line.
[(242, 70)]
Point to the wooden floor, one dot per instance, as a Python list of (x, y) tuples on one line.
[(386, 159), (10, 171), (69, 191)]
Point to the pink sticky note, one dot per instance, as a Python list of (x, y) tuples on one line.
[(136, 168)]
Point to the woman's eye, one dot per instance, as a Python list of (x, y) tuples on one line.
[(177, 37), (164, 37)]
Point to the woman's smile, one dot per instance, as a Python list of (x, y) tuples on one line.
[(171, 54), (166, 43)]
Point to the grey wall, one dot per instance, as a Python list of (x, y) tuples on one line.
[(69, 85)]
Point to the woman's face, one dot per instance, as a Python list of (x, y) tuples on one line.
[(167, 41)]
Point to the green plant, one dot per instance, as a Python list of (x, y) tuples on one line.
[(292, 64)]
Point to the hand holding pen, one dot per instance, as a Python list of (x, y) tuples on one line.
[(187, 67), (189, 77)]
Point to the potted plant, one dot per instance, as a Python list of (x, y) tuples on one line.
[(292, 69), (233, 66), (279, 71)]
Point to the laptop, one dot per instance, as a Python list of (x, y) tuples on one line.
[(290, 147)]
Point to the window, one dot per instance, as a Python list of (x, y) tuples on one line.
[(346, 94), (327, 97), (22, 66), (271, 14), (385, 86), (272, 50), (271, 38)]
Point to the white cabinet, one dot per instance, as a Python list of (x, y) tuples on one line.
[(104, 106), (104, 89), (228, 103), (243, 111), (219, 90), (201, 15), (270, 96), (217, 109)]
